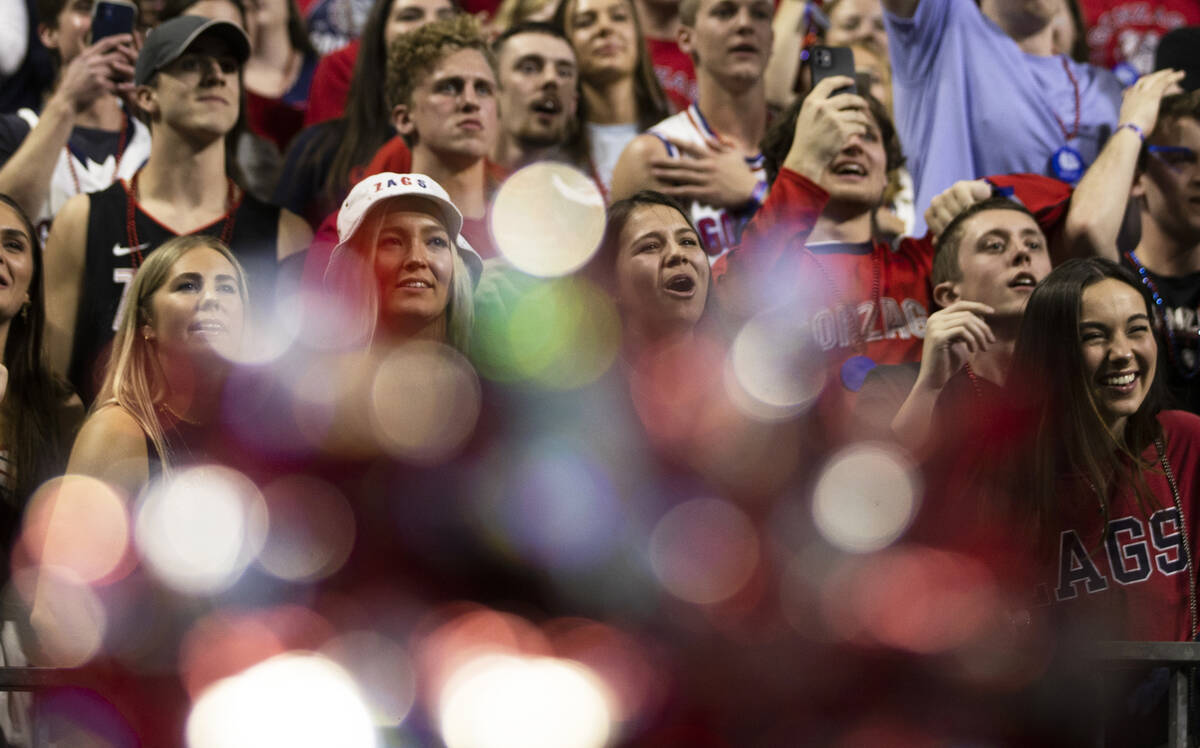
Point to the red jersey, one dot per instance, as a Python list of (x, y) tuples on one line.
[(1134, 578), (866, 301), (331, 85), (674, 71), (1129, 30)]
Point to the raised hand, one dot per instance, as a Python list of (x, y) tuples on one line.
[(825, 125), (1141, 100), (953, 336), (949, 203), (104, 67)]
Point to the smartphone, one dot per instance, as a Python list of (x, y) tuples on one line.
[(111, 17), (828, 62)]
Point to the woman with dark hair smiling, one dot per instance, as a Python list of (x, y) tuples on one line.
[(38, 413), (1101, 477)]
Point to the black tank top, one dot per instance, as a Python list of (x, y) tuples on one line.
[(108, 271)]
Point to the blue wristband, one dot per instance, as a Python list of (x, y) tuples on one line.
[(1135, 128)]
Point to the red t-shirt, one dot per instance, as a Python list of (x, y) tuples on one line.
[(859, 300), (674, 71), (1129, 30), (331, 84), (1134, 580)]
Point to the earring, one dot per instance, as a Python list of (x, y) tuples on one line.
[(25, 312)]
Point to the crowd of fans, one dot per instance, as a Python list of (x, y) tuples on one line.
[(597, 372)]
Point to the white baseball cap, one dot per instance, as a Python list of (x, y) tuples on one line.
[(377, 188)]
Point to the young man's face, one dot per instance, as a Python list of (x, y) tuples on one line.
[(858, 174), (731, 39), (538, 77), (410, 15), (200, 92), (1002, 256), (1169, 187), (70, 31), (453, 110)]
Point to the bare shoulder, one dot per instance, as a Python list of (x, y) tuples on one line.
[(111, 446), (294, 235), (633, 168)]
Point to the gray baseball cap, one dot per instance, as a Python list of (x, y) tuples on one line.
[(168, 41)]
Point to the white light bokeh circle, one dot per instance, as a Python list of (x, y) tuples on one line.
[(299, 700), (703, 551), (383, 671), (502, 701), (774, 370), (200, 529), (424, 402), (547, 219), (866, 497)]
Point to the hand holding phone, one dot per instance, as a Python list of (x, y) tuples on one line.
[(112, 17), (829, 62)]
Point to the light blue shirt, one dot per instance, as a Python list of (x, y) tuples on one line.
[(969, 103)]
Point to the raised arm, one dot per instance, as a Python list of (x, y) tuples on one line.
[(1098, 206), (27, 173), (65, 250)]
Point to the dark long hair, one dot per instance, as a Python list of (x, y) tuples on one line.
[(651, 102), (1065, 433), (33, 404), (601, 269), (366, 123)]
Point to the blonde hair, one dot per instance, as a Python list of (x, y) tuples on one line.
[(351, 278), (133, 378)]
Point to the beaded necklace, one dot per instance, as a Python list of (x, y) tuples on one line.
[(974, 379), (860, 342), (232, 202), (1188, 372), (1074, 85)]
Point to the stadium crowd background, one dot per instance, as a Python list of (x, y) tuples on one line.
[(597, 372)]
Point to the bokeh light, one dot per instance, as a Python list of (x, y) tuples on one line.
[(562, 335), (272, 332), (635, 681), (383, 670), (912, 598), (198, 530), (560, 507), (310, 530), (866, 497), (297, 699), (227, 641), (470, 631), (78, 524), (67, 616), (704, 550), (425, 401), (567, 210), (503, 701), (775, 369)]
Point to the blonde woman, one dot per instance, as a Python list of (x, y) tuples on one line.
[(182, 325), (401, 268)]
